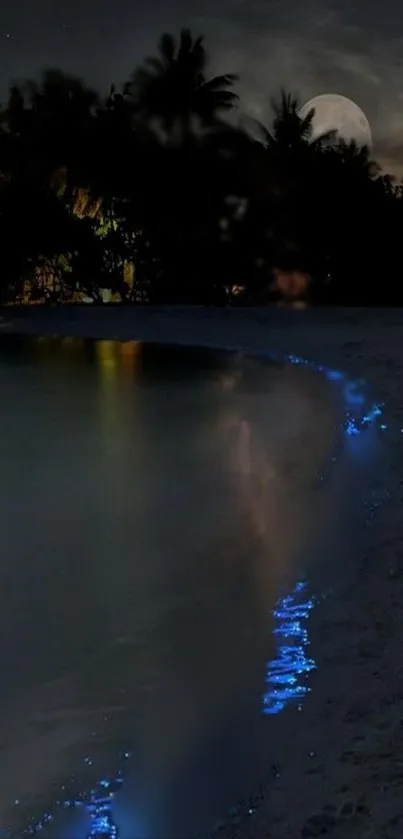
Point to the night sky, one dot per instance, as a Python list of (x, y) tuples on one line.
[(353, 47)]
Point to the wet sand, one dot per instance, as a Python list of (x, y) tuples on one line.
[(339, 769)]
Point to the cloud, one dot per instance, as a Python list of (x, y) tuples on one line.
[(312, 49), (307, 46)]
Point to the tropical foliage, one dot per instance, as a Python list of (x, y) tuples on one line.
[(150, 194)]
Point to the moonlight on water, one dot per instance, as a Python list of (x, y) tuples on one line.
[(333, 112)]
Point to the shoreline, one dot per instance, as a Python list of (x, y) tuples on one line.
[(338, 768)]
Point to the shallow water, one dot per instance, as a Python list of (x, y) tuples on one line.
[(154, 503)]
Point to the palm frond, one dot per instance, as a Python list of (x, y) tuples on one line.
[(186, 44), (167, 47), (221, 82), (155, 64)]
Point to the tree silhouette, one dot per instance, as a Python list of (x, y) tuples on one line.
[(153, 181), (173, 90), (47, 121), (290, 131)]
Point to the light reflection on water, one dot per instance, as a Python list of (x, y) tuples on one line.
[(162, 459)]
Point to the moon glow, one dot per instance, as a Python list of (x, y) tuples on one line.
[(334, 112)]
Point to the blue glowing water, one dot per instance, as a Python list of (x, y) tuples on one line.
[(287, 675)]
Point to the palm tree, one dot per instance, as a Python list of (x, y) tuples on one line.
[(60, 95), (283, 178), (173, 90), (48, 121), (291, 131), (356, 159)]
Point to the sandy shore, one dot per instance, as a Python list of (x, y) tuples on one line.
[(339, 762)]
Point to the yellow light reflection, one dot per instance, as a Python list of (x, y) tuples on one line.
[(108, 362), (130, 352), (116, 364), (115, 355), (107, 357)]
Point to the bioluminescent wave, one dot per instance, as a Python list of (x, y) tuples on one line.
[(102, 823), (286, 680), (286, 673), (97, 803)]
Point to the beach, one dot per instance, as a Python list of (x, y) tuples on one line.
[(338, 770)]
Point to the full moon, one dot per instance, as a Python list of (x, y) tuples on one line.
[(337, 113)]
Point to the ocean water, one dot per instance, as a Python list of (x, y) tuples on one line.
[(155, 504)]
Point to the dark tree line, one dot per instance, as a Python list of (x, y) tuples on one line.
[(152, 194)]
